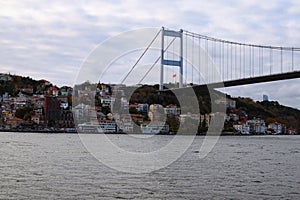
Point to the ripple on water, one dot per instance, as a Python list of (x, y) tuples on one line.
[(36, 166)]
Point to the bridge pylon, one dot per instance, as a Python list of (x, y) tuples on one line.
[(178, 63)]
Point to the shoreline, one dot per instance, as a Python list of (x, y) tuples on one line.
[(123, 133)]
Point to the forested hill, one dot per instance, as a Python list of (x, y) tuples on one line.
[(270, 111), (12, 84)]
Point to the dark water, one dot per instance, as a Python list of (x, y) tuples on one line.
[(57, 166)]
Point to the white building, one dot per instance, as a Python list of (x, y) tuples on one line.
[(107, 126), (242, 128), (226, 101), (172, 110), (124, 122), (35, 119), (257, 126), (277, 128)]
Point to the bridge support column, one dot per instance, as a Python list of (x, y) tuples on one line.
[(178, 63), (161, 86)]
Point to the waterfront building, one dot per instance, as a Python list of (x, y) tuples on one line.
[(242, 128), (66, 119), (257, 126), (276, 128), (108, 126), (52, 109)]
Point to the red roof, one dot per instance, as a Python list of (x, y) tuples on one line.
[(15, 119), (54, 88), (136, 115)]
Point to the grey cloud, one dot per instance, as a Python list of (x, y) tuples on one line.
[(58, 35)]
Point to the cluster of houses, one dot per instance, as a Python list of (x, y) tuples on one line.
[(52, 110), (258, 126), (145, 118), (151, 118), (251, 126), (41, 110)]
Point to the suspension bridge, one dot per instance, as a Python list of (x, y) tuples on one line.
[(200, 60)]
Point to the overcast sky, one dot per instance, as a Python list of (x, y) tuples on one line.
[(50, 39)]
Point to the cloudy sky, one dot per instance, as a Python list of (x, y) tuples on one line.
[(51, 39)]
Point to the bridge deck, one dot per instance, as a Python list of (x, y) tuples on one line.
[(253, 80)]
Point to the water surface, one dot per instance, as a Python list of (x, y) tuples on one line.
[(48, 166)]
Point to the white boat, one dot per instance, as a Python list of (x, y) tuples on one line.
[(89, 127), (103, 126)]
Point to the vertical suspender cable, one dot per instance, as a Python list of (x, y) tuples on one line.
[(253, 62), (227, 66), (235, 62), (271, 60), (292, 59), (206, 58), (281, 60), (199, 60), (240, 61), (186, 59), (192, 65), (231, 63), (220, 61), (213, 59), (244, 55), (259, 61), (166, 76), (262, 61), (223, 63)]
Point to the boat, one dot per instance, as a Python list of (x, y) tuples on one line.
[(89, 127)]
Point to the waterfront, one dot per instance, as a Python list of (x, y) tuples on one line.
[(41, 166)]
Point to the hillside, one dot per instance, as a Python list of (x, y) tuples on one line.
[(13, 84), (270, 111)]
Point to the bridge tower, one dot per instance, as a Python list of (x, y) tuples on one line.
[(175, 63)]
